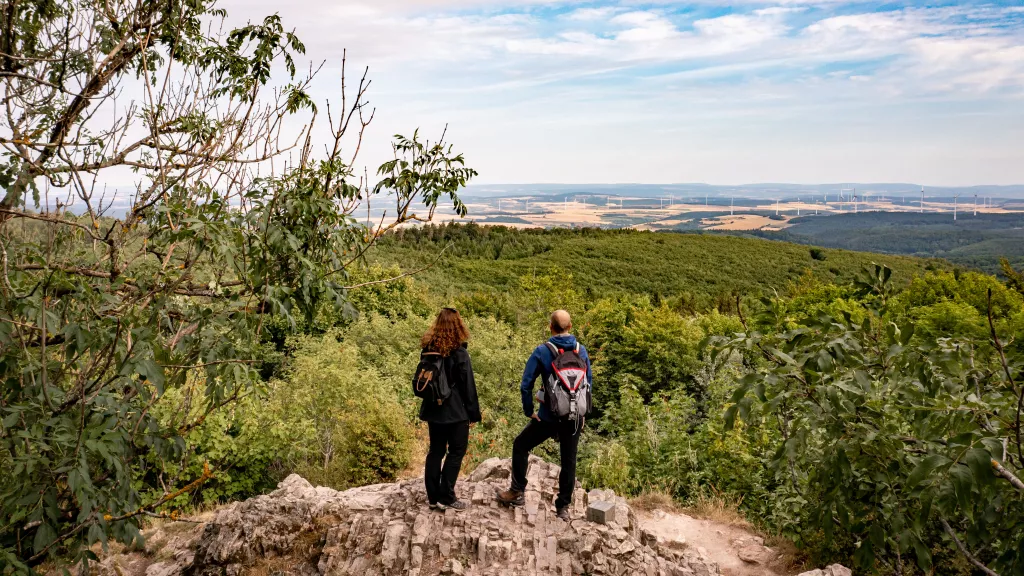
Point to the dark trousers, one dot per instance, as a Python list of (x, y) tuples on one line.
[(448, 442), (568, 434)]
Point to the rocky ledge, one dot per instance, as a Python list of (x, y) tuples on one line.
[(388, 529)]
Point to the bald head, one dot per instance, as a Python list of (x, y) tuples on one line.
[(561, 323)]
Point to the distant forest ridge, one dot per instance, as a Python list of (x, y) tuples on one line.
[(973, 241), (763, 190)]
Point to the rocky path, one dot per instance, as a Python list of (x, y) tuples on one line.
[(388, 530), (737, 552)]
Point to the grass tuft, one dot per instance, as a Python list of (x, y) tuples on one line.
[(654, 500), (713, 504)]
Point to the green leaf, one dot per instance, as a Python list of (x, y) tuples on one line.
[(923, 555), (980, 463), (926, 467), (963, 482), (730, 417), (45, 535)]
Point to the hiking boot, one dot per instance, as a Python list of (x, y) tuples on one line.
[(511, 497), (562, 513), (457, 505)]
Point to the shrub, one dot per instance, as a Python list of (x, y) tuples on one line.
[(348, 421), (607, 466)]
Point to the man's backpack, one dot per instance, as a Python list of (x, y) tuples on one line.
[(567, 390), (430, 381)]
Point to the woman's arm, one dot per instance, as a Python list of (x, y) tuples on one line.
[(469, 397)]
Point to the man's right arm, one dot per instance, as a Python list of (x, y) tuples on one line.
[(530, 373)]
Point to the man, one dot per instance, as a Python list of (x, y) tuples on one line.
[(543, 424)]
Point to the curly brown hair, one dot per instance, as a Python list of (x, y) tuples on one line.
[(447, 333)]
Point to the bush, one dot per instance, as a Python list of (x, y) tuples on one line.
[(348, 421), (607, 466), (375, 446), (329, 419)]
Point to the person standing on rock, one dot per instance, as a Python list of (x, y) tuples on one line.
[(449, 418), (563, 365)]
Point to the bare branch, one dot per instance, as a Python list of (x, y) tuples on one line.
[(963, 550), (400, 276), (1000, 470)]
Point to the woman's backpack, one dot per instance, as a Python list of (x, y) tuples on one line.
[(567, 390), (430, 381)]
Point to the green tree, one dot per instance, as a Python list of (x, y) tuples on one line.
[(892, 444), (1014, 278), (655, 346), (108, 305)]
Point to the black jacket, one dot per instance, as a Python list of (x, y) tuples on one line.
[(462, 405)]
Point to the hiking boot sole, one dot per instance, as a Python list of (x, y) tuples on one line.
[(517, 503), (443, 507)]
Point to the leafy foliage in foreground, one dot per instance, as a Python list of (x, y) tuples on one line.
[(889, 442), (122, 334)]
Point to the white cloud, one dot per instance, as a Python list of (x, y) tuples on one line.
[(519, 81), (592, 14)]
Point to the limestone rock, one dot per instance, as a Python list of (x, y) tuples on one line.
[(623, 515), (833, 570), (601, 512), (452, 568), (755, 554), (388, 530)]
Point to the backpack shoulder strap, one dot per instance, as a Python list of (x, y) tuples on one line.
[(552, 347), (577, 349)]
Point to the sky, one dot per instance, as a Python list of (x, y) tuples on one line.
[(567, 91)]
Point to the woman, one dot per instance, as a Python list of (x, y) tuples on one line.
[(450, 421)]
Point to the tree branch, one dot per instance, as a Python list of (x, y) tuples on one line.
[(1009, 377), (963, 550), (400, 276), (1000, 470)]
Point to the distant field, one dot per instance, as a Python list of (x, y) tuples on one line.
[(606, 262), (744, 222)]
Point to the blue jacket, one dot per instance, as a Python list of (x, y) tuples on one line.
[(539, 364)]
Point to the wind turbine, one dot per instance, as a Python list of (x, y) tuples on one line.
[(922, 199), (842, 197), (955, 198), (975, 204), (732, 202)]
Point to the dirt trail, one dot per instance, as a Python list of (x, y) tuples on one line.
[(721, 543)]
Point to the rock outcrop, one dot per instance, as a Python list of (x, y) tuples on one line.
[(388, 529), (833, 570)]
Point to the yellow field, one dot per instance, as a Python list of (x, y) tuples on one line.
[(744, 222), (551, 214)]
